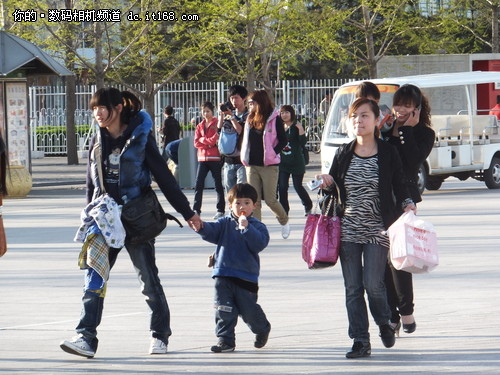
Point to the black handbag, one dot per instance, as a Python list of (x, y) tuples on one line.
[(144, 218)]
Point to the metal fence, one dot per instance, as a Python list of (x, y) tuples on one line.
[(48, 109)]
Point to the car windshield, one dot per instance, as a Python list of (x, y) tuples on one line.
[(337, 122)]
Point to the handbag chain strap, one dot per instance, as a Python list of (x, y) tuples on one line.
[(332, 199), (98, 160)]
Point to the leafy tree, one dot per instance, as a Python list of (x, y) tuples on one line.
[(472, 25)]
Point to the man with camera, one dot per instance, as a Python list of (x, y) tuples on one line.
[(232, 117)]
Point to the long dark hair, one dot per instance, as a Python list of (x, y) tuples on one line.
[(110, 97), (411, 95), (260, 113)]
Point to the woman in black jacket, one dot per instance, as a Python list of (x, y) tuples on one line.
[(413, 137), (369, 175)]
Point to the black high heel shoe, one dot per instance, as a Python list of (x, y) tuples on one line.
[(396, 327), (409, 328)]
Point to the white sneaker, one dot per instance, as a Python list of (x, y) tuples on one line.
[(157, 346), (285, 231), (79, 346), (218, 215)]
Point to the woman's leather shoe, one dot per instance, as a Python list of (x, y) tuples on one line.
[(409, 328)]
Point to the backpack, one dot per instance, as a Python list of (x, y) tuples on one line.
[(228, 141)]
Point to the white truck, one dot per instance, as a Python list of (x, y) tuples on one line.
[(467, 140)]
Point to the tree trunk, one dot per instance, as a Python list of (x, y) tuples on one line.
[(370, 44), (72, 153), (250, 51), (99, 69), (494, 29)]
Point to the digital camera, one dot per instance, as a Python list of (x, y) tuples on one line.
[(314, 184), (226, 106)]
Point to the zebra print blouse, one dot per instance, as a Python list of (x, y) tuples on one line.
[(362, 221)]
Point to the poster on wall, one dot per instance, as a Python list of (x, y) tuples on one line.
[(16, 108)]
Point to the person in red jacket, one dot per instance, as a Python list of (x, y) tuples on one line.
[(209, 160)]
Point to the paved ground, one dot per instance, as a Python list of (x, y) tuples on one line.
[(457, 305)]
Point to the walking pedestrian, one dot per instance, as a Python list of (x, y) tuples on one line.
[(370, 178), (123, 157)]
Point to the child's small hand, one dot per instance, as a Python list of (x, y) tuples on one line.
[(195, 223), (211, 260)]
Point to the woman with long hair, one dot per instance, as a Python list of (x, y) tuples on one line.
[(263, 139), (413, 137), (123, 157)]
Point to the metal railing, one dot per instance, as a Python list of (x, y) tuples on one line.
[(48, 109)]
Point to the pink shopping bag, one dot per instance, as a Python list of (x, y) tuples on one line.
[(413, 244)]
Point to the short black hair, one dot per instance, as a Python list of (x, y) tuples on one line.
[(366, 89), (169, 110), (243, 190), (238, 90)]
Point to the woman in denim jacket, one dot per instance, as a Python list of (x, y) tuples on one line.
[(129, 157)]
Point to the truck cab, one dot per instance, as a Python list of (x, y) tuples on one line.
[(467, 142)]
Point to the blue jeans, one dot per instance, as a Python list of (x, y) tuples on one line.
[(233, 174), (143, 259), (231, 300), (363, 268)]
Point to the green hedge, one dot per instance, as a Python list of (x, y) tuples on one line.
[(51, 129)]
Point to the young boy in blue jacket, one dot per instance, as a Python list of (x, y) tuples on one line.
[(239, 238)]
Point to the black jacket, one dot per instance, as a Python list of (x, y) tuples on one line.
[(414, 145), (392, 187)]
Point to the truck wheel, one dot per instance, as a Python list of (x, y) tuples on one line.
[(433, 182), (422, 178), (492, 174)]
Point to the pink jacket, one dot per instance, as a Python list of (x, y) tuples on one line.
[(270, 139), (205, 140)]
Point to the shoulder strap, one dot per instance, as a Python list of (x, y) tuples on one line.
[(98, 161)]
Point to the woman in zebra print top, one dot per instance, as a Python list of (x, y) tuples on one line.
[(373, 194)]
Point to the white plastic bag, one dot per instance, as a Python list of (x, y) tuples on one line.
[(413, 244)]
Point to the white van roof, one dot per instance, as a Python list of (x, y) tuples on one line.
[(438, 79)]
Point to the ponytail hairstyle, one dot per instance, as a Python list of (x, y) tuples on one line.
[(110, 97), (411, 95), (373, 106), (262, 109)]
